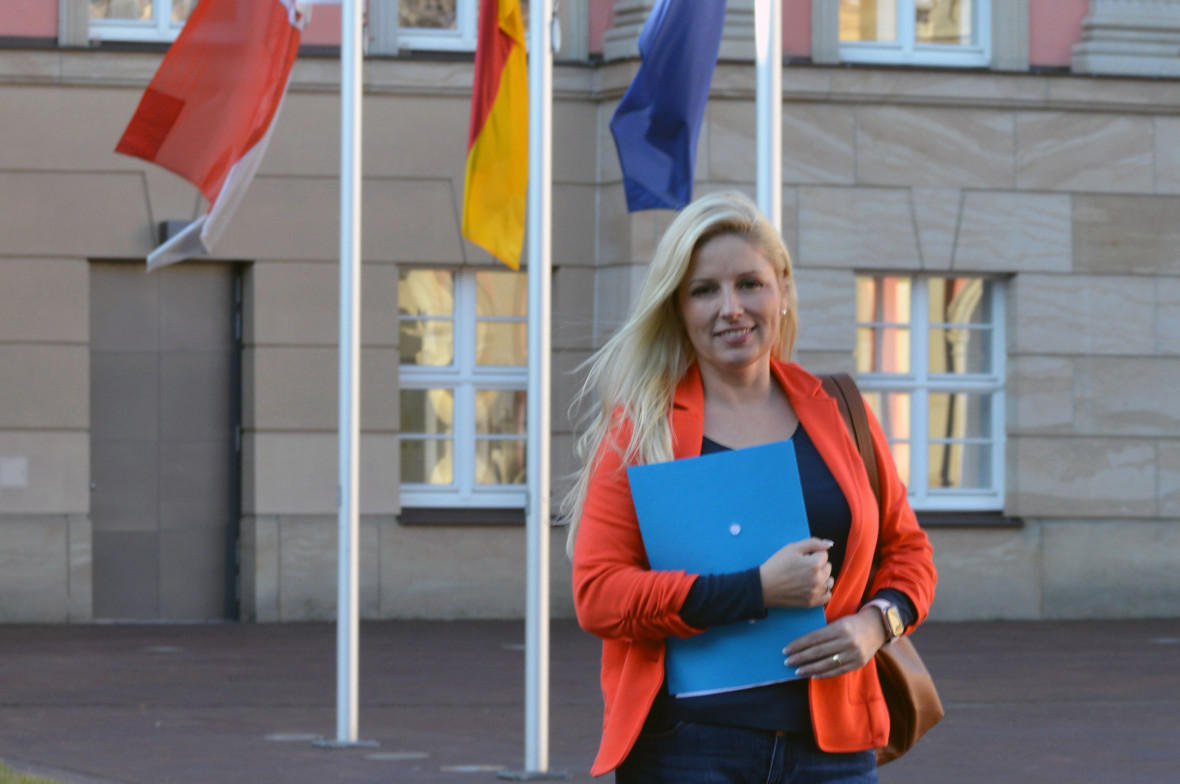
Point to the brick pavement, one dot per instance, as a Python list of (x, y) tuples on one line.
[(228, 703)]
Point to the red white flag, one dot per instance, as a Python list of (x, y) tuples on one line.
[(209, 110)]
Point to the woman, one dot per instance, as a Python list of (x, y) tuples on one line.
[(701, 366)]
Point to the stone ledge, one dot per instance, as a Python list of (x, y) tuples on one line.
[(606, 82)]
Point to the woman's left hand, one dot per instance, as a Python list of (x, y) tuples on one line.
[(842, 646)]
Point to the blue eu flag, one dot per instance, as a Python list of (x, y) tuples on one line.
[(659, 119)]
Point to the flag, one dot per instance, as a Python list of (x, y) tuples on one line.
[(208, 113), (495, 187), (657, 123)]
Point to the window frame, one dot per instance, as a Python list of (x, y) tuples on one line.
[(920, 383), (905, 51), (461, 39), (160, 30), (464, 377)]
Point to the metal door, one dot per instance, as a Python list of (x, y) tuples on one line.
[(164, 392)]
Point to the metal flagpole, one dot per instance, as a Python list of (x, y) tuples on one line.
[(768, 34), (348, 495), (537, 527)]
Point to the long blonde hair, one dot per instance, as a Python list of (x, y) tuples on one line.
[(634, 375)]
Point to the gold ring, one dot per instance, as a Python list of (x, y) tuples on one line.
[(836, 659)]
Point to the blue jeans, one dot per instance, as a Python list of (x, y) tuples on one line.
[(689, 753)]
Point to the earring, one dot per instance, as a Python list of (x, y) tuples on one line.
[(784, 311)]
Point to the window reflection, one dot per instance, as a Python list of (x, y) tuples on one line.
[(868, 20), (426, 411), (884, 299), (121, 9), (501, 411), (943, 22), (141, 10), (500, 462), (426, 303), (182, 9), (961, 466), (427, 461), (892, 410), (882, 350), (501, 294), (430, 14), (500, 343), (960, 337), (960, 415)]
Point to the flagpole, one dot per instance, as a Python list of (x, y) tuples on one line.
[(537, 523), (768, 24), (536, 754), (348, 490)]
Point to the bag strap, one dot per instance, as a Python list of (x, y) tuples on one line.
[(844, 391), (852, 407)]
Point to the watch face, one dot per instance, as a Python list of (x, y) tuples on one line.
[(893, 621)]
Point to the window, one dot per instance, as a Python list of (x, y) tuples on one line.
[(929, 356), (426, 25), (916, 32), (138, 20), (464, 376), (437, 24)]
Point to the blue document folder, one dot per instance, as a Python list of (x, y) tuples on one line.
[(725, 512)]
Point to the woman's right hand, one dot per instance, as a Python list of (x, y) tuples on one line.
[(798, 575)]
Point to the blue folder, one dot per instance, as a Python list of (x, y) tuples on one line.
[(725, 512)]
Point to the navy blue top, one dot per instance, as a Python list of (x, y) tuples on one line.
[(737, 596)]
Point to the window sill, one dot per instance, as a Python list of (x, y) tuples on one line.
[(461, 516), (968, 520)]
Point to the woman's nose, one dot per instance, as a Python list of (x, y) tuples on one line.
[(731, 304)]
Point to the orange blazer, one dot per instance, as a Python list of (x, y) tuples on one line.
[(633, 609)]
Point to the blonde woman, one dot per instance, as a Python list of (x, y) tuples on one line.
[(701, 365)]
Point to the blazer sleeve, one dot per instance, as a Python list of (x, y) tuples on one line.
[(907, 562), (616, 594)]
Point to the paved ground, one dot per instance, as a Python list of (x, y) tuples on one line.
[(221, 704)]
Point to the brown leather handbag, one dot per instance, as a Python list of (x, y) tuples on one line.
[(914, 706)]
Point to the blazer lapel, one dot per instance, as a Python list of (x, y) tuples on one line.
[(688, 415)]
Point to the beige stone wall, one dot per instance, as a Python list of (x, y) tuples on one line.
[(1066, 186)]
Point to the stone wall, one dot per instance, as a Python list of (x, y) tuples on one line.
[(1068, 187)]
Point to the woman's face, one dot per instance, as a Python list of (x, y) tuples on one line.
[(731, 302)]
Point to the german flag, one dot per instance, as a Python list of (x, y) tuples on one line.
[(496, 185)]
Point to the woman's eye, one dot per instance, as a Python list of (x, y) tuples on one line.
[(699, 291), (751, 284)]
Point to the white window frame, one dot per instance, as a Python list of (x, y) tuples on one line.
[(919, 383), (461, 39), (463, 376), (160, 29), (163, 30), (905, 50)]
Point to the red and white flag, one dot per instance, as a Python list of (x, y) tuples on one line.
[(209, 110)]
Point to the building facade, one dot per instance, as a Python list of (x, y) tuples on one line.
[(981, 200)]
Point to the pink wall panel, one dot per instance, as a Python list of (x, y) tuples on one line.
[(324, 27), (600, 22), (1054, 26), (797, 28), (28, 18)]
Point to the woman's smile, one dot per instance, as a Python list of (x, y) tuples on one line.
[(731, 303)]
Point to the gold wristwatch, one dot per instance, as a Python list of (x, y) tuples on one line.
[(890, 616)]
